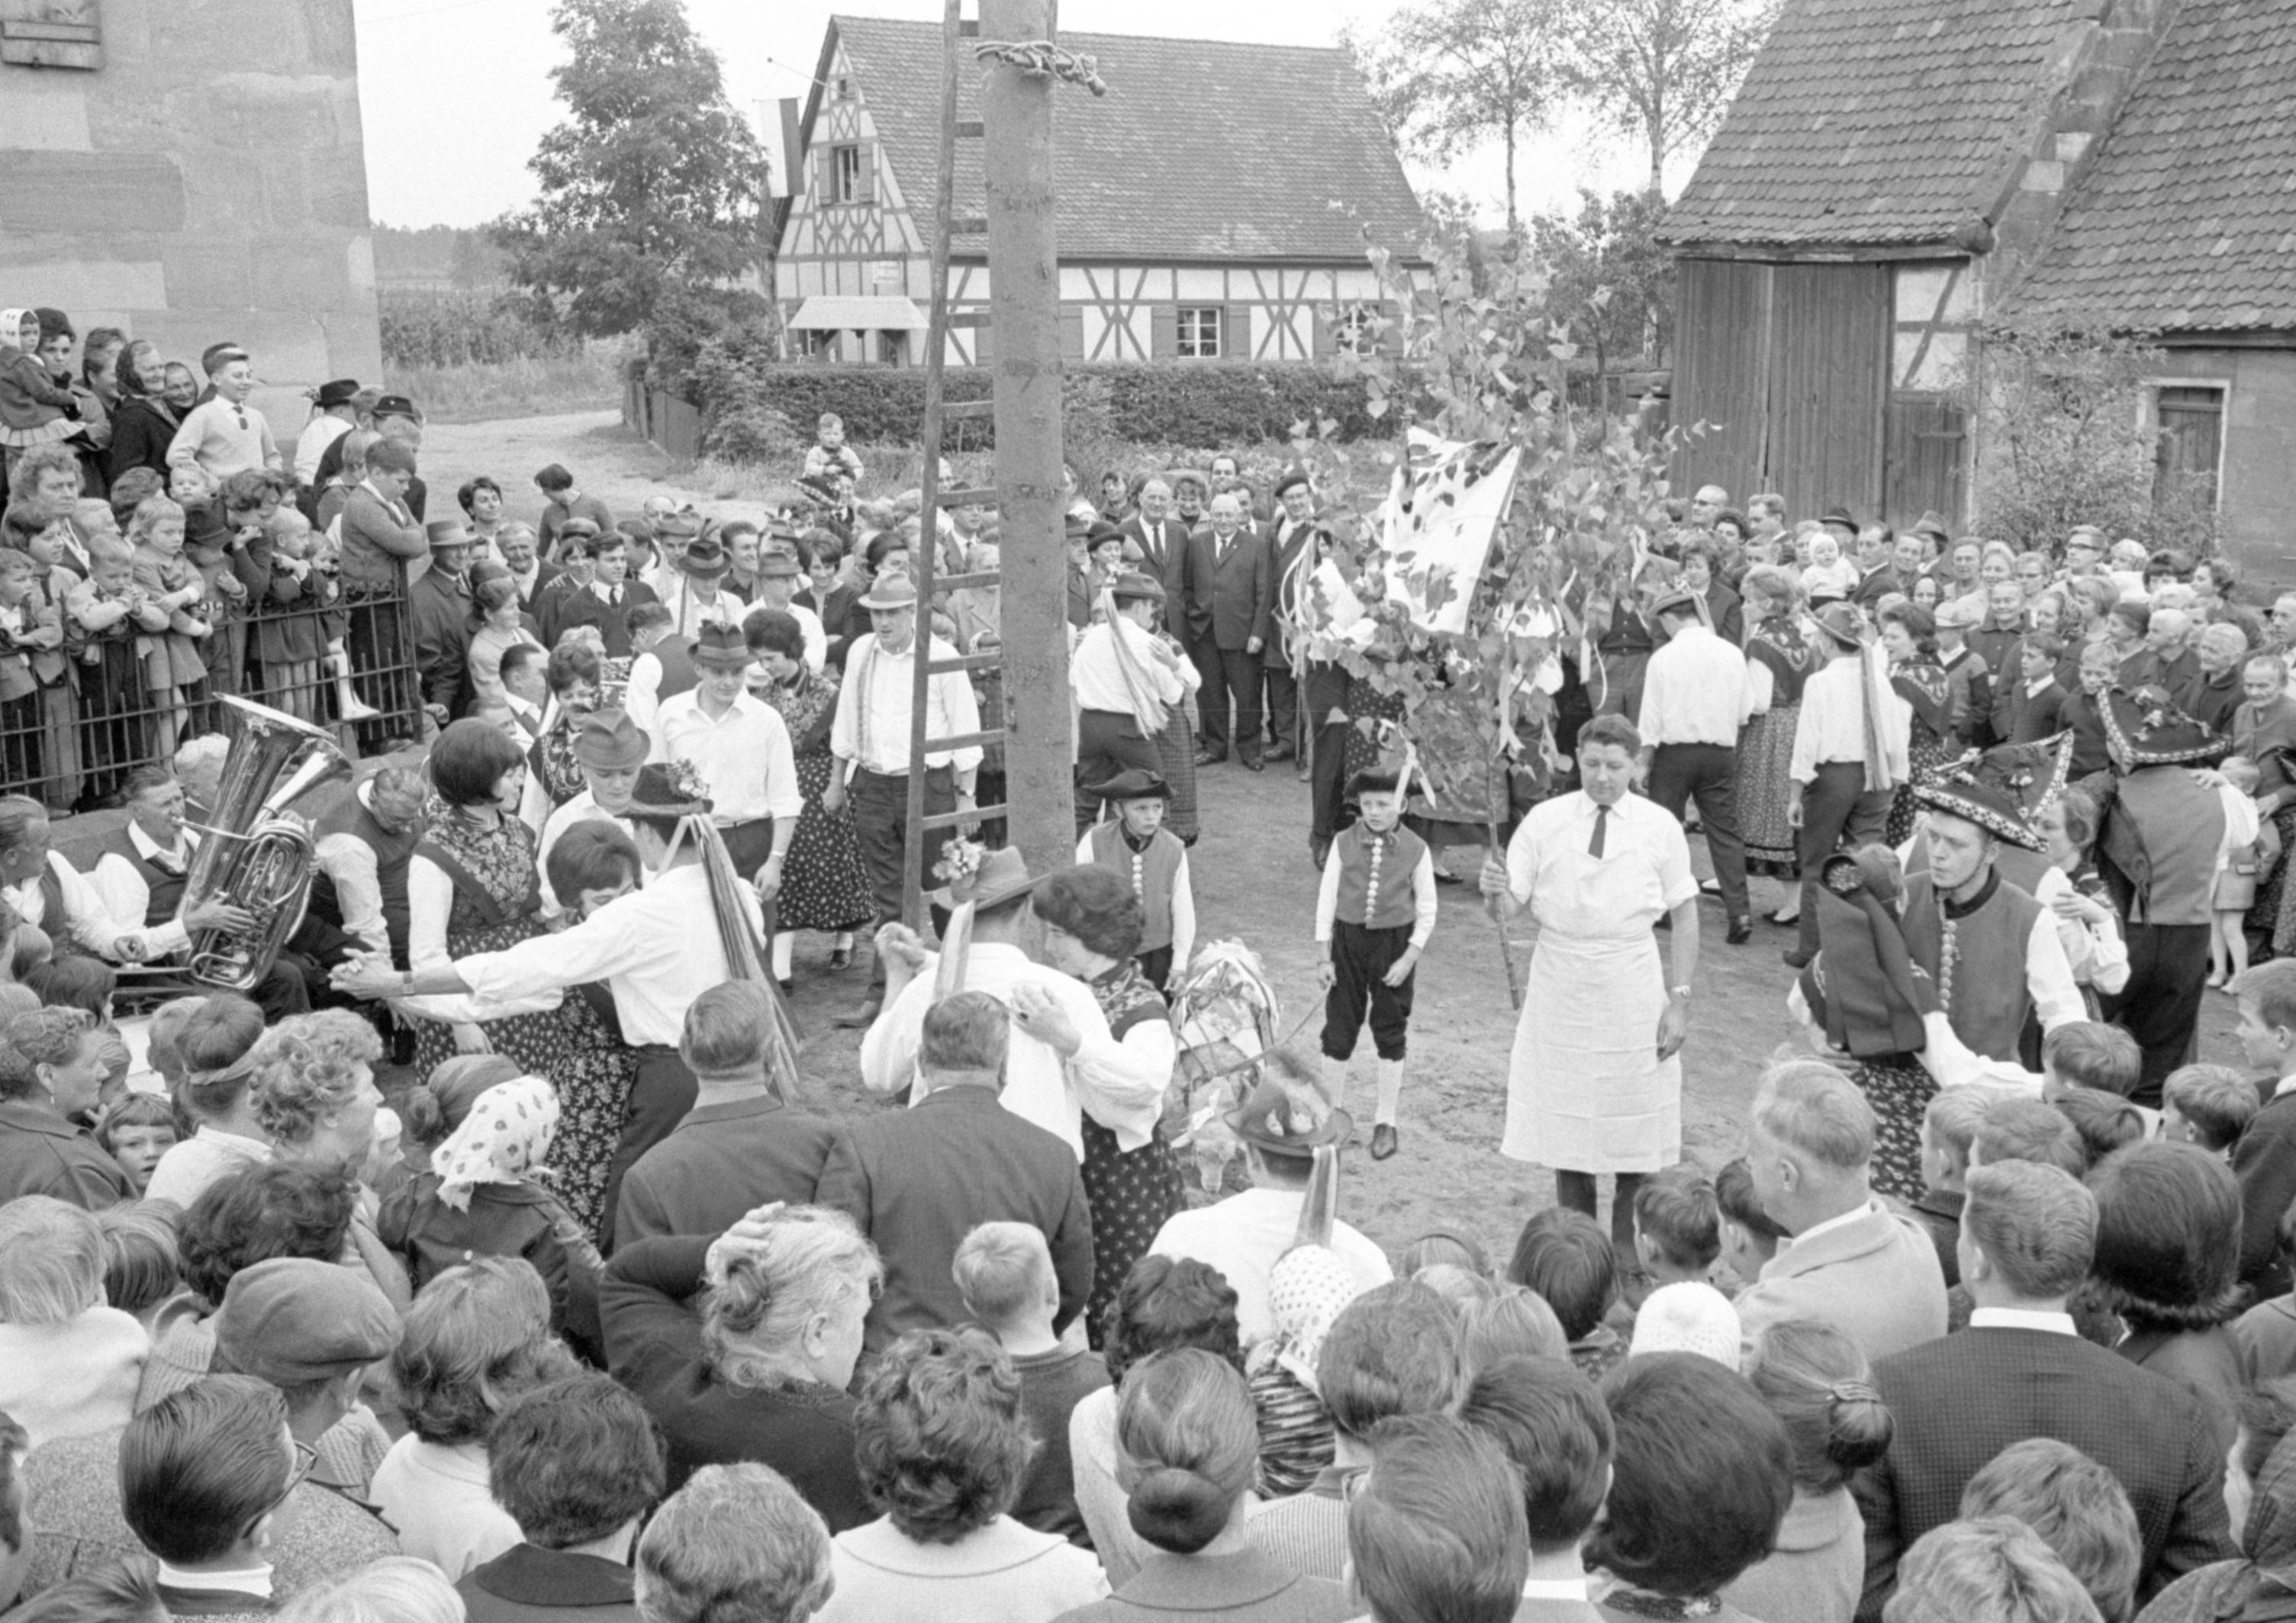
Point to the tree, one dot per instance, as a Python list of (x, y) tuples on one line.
[(1663, 70), (1449, 75), (652, 191), (1608, 279)]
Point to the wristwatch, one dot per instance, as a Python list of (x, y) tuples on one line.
[(1681, 992)]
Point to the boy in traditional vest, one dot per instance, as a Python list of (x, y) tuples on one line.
[(1373, 913), (1136, 842)]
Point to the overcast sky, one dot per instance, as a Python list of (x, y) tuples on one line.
[(454, 92)]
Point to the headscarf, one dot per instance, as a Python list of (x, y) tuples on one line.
[(504, 1137), (1307, 1288), (11, 323)]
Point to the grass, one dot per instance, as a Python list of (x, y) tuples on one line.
[(528, 387)]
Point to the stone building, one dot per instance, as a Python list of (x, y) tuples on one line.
[(1215, 205), (192, 171), (1893, 173)]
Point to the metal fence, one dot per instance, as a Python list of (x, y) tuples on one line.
[(102, 706)]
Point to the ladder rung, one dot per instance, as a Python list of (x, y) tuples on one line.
[(968, 318), (958, 583), (971, 129), (959, 411), (968, 225), (979, 813), (963, 741), (966, 498), (964, 661)]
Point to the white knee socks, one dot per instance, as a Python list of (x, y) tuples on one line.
[(784, 952), (1390, 1091), (1335, 1080)]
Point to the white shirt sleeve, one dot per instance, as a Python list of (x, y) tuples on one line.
[(641, 695), (1327, 896), (1761, 689), (888, 1048), (123, 892), (1183, 915), (350, 863), (816, 640), (1121, 1081), (599, 946), (430, 897), (1523, 862), (845, 725), (1425, 903), (2049, 978), (784, 800), (95, 927)]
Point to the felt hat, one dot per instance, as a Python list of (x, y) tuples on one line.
[(609, 741), (1687, 1317), (1283, 1118), (1100, 533), (1133, 587), (1001, 875), (2146, 728), (1987, 806), (684, 522), (1132, 783), (892, 592), (704, 557), (773, 564), (1680, 599), (1292, 477), (448, 532), (292, 1320), (670, 791), (1843, 623), (1838, 516), (721, 646), (1077, 525), (396, 406), (1932, 524), (576, 527), (1958, 611), (339, 391)]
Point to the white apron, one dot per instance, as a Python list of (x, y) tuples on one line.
[(1585, 1089)]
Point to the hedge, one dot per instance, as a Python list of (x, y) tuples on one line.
[(750, 404)]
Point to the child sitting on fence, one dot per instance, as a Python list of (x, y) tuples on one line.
[(287, 623), (830, 458), (107, 618), (174, 669), (27, 531)]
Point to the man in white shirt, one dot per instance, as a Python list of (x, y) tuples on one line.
[(609, 747), (1696, 696), (1281, 1122), (1849, 753), (363, 838), (1126, 679), (688, 587), (741, 748), (777, 579), (870, 738)]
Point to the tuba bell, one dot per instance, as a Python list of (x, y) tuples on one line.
[(251, 854)]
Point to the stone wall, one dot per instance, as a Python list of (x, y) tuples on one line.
[(205, 181)]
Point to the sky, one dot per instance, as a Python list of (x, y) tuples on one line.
[(455, 93)]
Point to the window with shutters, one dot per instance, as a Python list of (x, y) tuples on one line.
[(845, 167), (1351, 330), (1197, 333), (2185, 457)]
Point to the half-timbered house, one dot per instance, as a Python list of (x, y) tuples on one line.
[(1895, 172), (1215, 205)]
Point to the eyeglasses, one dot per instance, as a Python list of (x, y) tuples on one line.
[(306, 1460)]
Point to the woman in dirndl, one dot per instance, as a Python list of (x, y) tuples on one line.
[(824, 884), (1776, 650), (1909, 638), (1594, 1083), (472, 887), (1092, 924)]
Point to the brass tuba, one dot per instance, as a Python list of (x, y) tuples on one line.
[(250, 854)]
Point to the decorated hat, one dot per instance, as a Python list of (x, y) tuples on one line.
[(1132, 783), (1872, 870), (1842, 622), (609, 741), (448, 532), (339, 391), (774, 564), (1932, 524), (999, 876), (396, 406), (704, 557), (1132, 588), (1962, 796), (670, 791), (820, 487), (2146, 728), (721, 645), (1293, 477), (892, 592), (1281, 1116), (1837, 517)]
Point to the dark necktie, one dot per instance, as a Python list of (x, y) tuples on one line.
[(1602, 827)]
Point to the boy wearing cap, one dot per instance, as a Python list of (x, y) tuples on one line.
[(1136, 842), (562, 501), (313, 1330), (224, 434), (1968, 680), (1375, 912)]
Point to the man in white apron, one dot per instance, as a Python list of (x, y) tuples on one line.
[(1594, 1084)]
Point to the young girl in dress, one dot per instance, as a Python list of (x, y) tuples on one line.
[(35, 409), (173, 667)]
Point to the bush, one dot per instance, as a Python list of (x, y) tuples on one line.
[(1200, 404), (444, 327)]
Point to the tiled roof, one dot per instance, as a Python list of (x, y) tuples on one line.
[(1202, 150), (1872, 123), (2186, 218)]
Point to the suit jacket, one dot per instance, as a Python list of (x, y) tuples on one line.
[(1960, 1400), (721, 1161), (42, 1153), (1871, 589), (1875, 1279), (2034, 716), (567, 605), (1724, 609), (441, 606), (545, 575), (528, 1584), (1163, 549), (2213, 698), (2264, 1160), (1228, 599), (918, 1181)]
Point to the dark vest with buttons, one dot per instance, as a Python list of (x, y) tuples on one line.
[(1375, 875), (1152, 872), (166, 887), (336, 808)]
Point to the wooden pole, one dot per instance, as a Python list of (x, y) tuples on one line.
[(1016, 115)]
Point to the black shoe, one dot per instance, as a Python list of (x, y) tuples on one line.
[(1795, 958), (786, 984), (864, 1015), (1383, 1141), (1210, 757), (1665, 921), (840, 957), (1252, 763), (1444, 876), (1742, 931)]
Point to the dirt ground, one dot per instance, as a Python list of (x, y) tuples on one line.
[(1254, 881)]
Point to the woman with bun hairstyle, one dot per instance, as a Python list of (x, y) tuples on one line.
[(1188, 1447), (1814, 1380), (942, 1445)]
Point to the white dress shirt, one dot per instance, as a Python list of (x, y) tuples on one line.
[(656, 948), (692, 605), (744, 755), (1243, 1235), (1833, 723), (1184, 898), (881, 680), (581, 808), (1097, 674), (1115, 1084), (2099, 957), (1695, 691), (127, 894), (91, 922), (2023, 1318)]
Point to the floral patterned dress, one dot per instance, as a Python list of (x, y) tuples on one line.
[(1130, 1194), (497, 892), (594, 1100), (825, 882), (1766, 747), (1922, 685)]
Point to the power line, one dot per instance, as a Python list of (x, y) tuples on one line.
[(459, 6)]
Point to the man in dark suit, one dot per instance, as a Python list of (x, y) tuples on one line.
[(1159, 538), (2028, 1233), (1229, 592), (1877, 574), (533, 576), (439, 602), (918, 1181), (594, 591)]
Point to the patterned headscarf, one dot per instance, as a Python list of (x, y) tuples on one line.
[(1307, 1288), (504, 1139)]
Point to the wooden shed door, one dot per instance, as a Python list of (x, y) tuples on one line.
[(1829, 375), (1722, 375)]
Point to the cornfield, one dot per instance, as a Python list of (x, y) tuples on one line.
[(456, 327)]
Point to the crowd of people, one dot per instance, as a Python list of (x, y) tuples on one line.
[(1991, 1320)]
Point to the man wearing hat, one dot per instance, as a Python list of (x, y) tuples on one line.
[(2160, 834), (1968, 680), (1850, 753), (1991, 950), (779, 574), (334, 410), (441, 606), (1294, 538), (687, 581), (1283, 1119), (1696, 696), (313, 1330), (609, 747), (870, 738), (1127, 680), (741, 746)]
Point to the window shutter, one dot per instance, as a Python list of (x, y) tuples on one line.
[(1163, 332), (1235, 333), (984, 346), (1323, 340), (864, 191), (1071, 332)]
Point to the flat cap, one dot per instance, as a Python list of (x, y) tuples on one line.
[(292, 1320)]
